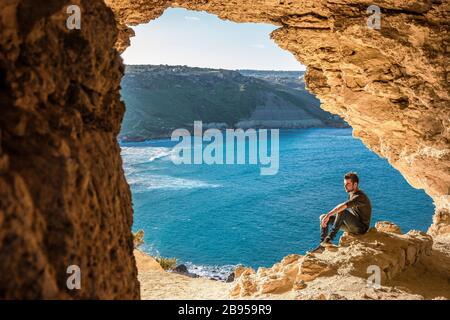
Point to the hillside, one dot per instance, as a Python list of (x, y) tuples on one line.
[(162, 98)]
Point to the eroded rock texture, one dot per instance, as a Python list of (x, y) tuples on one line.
[(383, 249), (390, 85), (63, 196)]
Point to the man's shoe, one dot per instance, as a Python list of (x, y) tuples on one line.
[(327, 242)]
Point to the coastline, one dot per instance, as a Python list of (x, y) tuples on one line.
[(313, 276), (168, 136), (158, 284)]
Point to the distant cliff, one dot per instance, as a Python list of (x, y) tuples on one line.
[(162, 98)]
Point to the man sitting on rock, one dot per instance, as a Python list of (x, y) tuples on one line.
[(352, 216)]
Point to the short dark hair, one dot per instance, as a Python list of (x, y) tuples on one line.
[(352, 176)]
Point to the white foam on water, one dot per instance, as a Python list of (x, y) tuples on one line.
[(141, 180), (159, 153), (215, 272), (136, 155), (141, 183), (150, 249)]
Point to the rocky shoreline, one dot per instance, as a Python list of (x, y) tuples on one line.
[(411, 265)]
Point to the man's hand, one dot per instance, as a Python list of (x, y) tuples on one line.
[(325, 221)]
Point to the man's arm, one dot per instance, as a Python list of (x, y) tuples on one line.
[(350, 203), (336, 210)]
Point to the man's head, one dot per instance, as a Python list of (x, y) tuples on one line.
[(351, 182)]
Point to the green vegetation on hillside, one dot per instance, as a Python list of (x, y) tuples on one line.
[(160, 99)]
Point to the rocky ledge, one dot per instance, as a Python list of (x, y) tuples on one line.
[(348, 270)]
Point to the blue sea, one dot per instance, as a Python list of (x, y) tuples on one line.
[(213, 217)]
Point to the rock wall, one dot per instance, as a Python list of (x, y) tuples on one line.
[(63, 196), (390, 84)]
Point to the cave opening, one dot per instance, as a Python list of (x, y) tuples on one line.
[(64, 197), (213, 218)]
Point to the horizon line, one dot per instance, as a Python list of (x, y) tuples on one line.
[(184, 65)]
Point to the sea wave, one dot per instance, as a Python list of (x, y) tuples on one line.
[(215, 272), (134, 155), (145, 182), (150, 249)]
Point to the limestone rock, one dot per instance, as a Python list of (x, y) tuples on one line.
[(145, 263), (385, 226), (290, 259), (241, 270), (358, 256), (299, 284), (278, 284), (245, 286), (313, 267)]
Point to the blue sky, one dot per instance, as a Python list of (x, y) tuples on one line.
[(199, 39)]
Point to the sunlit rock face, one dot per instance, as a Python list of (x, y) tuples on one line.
[(383, 247), (63, 196), (390, 84)]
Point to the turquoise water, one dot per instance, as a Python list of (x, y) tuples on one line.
[(214, 217)]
